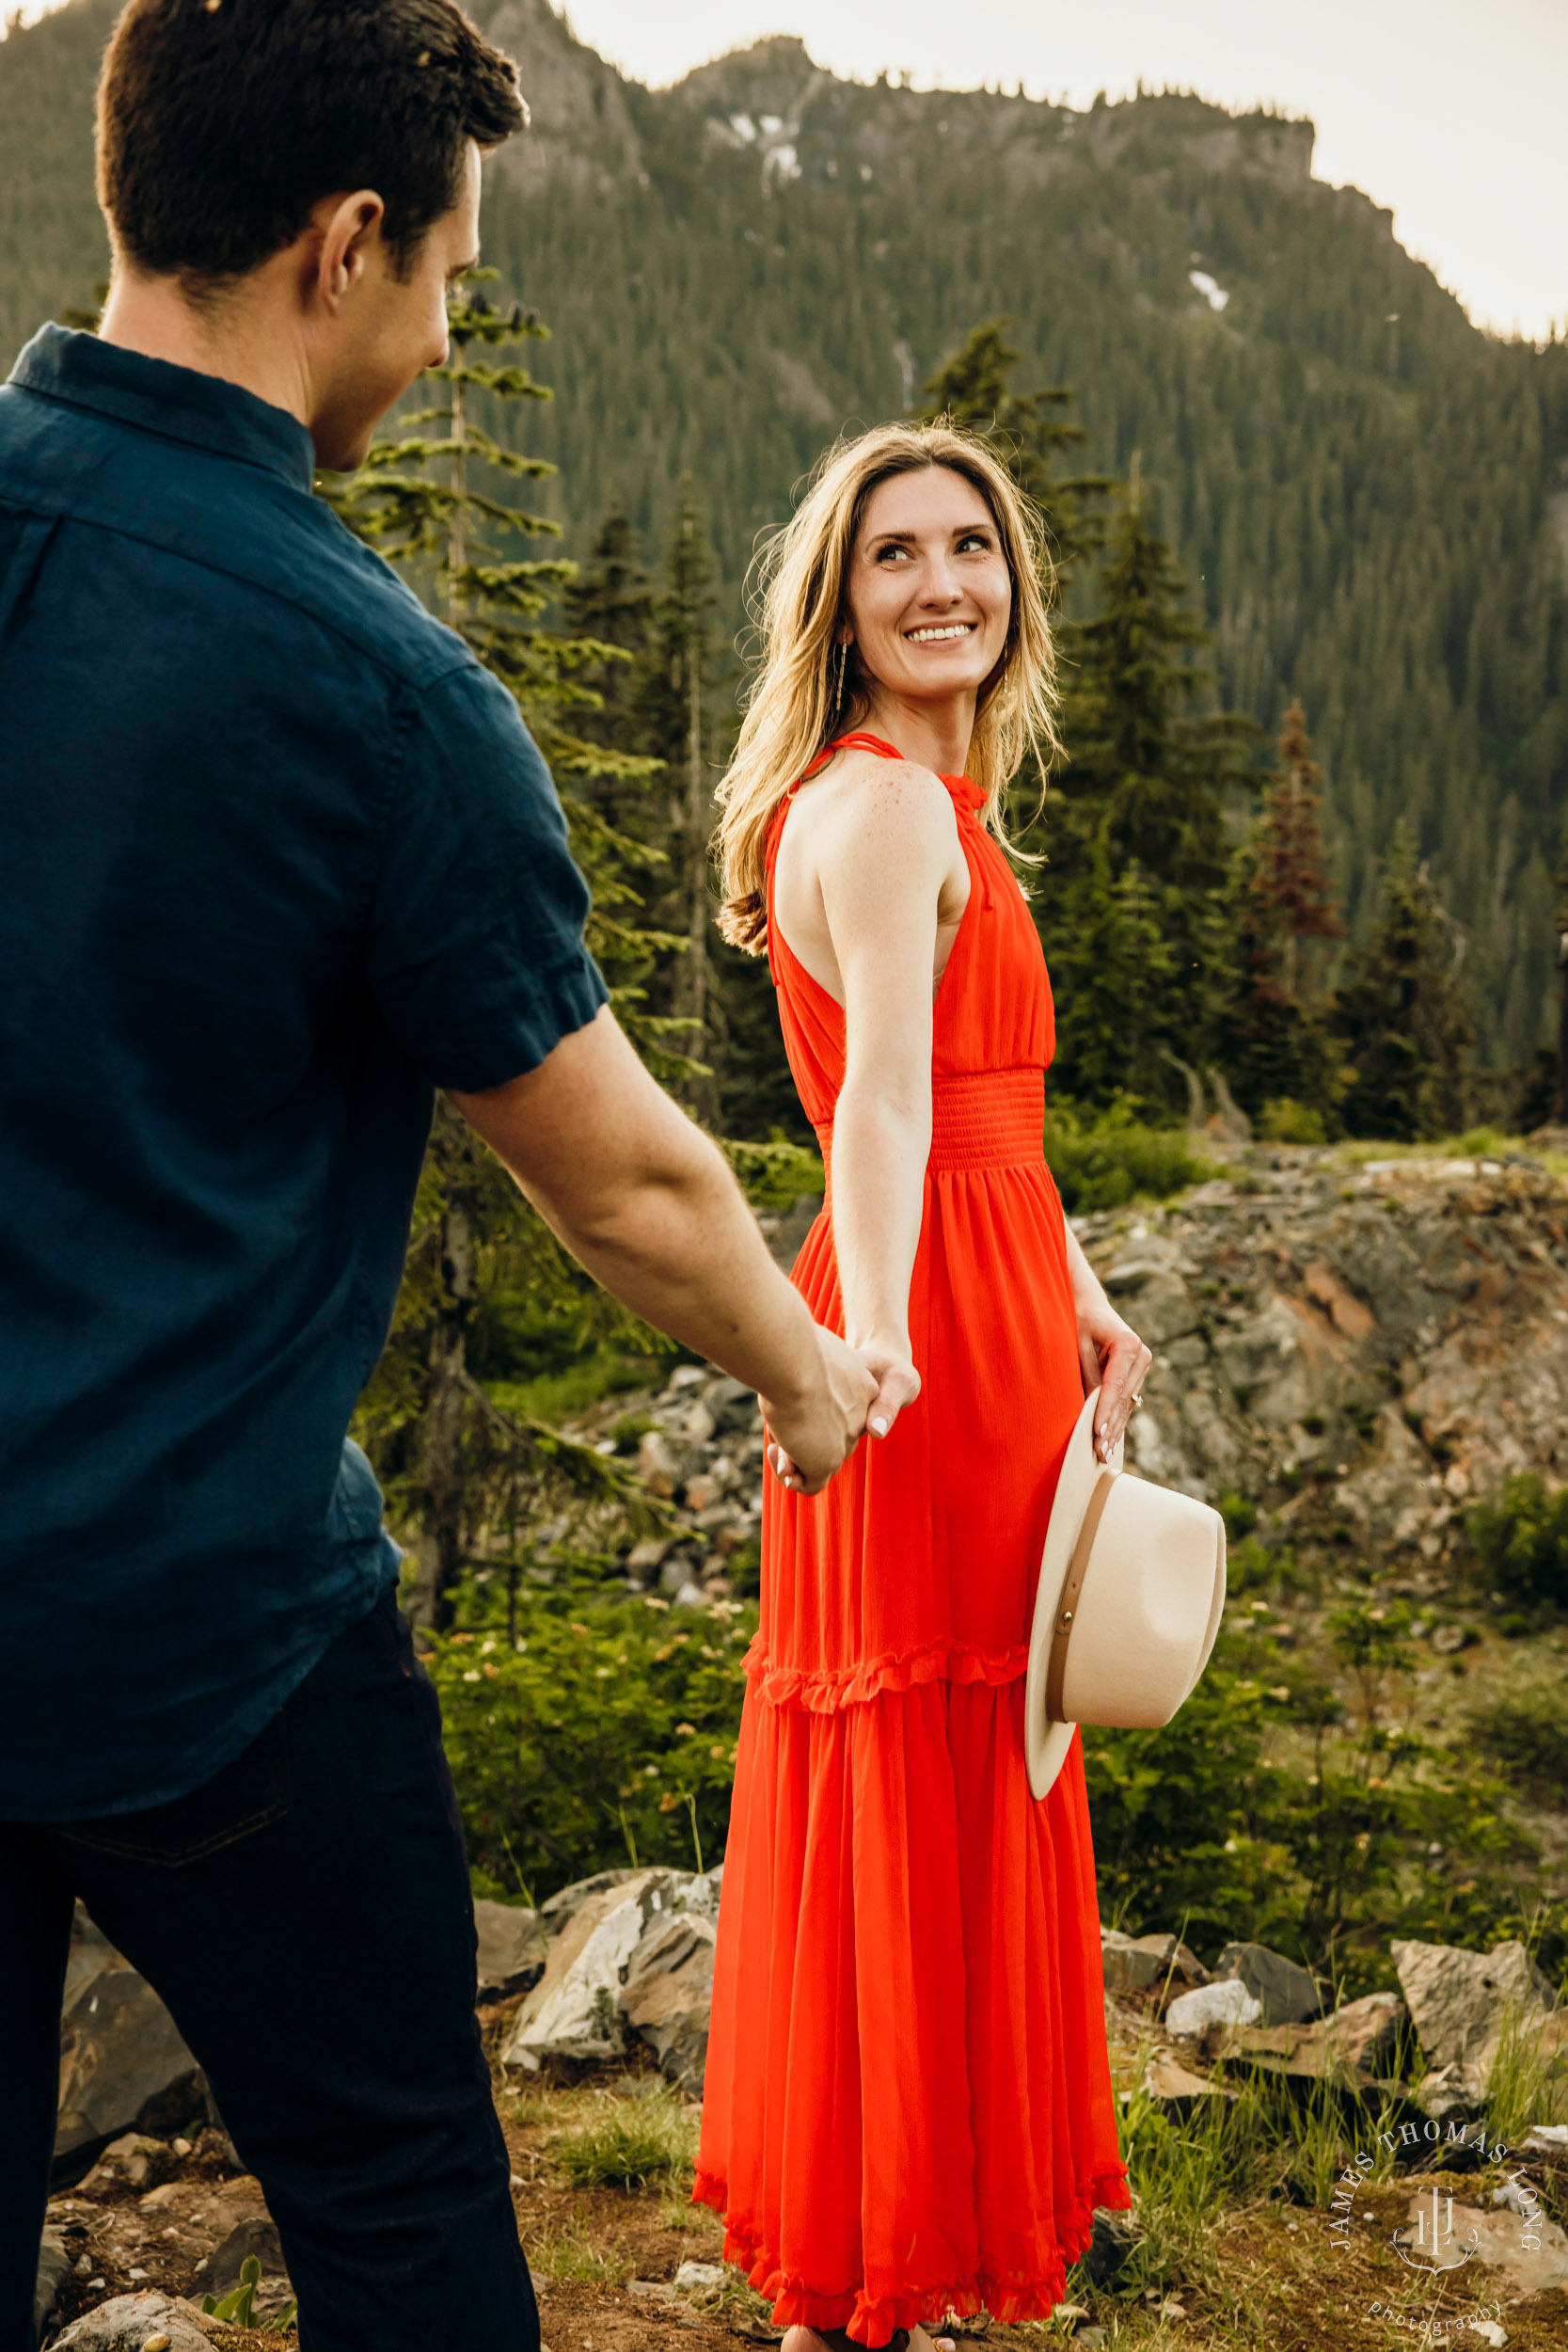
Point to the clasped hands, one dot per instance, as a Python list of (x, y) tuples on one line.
[(860, 1391), (863, 1390)]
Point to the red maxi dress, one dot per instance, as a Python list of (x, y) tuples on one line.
[(908, 2106)]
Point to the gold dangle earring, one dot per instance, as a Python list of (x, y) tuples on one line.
[(843, 672)]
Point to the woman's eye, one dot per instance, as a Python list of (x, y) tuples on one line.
[(886, 554), (975, 543)]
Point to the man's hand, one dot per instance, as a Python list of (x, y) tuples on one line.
[(810, 1439)]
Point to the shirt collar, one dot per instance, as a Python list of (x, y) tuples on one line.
[(177, 403)]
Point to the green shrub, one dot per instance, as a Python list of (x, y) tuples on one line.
[(1099, 1164), (1284, 1120), (607, 1736), (1521, 1543), (1524, 1730)]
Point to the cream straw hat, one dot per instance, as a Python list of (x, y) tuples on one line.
[(1131, 1595)]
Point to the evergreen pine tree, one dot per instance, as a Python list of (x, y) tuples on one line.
[(1134, 826), (611, 600), (482, 1264), (673, 710), (1407, 1029), (1280, 1047)]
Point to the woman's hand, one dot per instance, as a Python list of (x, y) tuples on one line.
[(888, 1362), (1114, 1360)]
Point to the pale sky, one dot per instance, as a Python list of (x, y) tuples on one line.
[(1455, 113)]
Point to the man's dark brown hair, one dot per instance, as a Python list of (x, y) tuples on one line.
[(222, 124)]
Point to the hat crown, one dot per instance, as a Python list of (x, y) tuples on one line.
[(1130, 1596), (1138, 1641)]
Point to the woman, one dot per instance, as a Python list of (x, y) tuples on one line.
[(907, 2106)]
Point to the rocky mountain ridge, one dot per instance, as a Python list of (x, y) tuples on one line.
[(1358, 1346)]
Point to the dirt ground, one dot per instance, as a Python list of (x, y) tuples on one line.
[(605, 2259)]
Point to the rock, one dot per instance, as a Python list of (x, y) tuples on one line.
[(1462, 2004), (1490, 2331), (1149, 1290), (1285, 1992), (690, 1596), (1165, 2078), (513, 1945), (701, 2283), (1115, 2236), (53, 2264), (1140, 1963), (123, 2064), (1499, 2242), (1226, 2003), (1355, 2046), (126, 2323), (256, 2236), (129, 2159), (668, 1994), (556, 1910), (1547, 2139), (575, 2013)]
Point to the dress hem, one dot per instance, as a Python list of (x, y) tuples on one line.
[(823, 1691), (873, 2320)]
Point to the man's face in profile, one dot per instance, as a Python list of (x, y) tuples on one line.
[(389, 328)]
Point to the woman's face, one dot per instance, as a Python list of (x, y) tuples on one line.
[(929, 595)]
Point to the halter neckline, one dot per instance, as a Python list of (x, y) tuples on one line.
[(965, 791)]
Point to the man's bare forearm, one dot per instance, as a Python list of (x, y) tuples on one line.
[(683, 1250), (643, 1200)]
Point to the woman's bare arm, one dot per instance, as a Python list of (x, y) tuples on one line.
[(884, 851)]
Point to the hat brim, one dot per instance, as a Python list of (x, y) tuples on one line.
[(1046, 1743)]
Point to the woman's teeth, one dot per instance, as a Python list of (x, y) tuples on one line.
[(934, 636)]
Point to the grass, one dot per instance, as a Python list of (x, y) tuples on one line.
[(570, 2254), (1526, 2086), (637, 2143)]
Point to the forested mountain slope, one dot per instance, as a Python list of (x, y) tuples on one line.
[(734, 270)]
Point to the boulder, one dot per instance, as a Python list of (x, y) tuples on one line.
[(54, 2263), (1462, 2005), (668, 1995), (1354, 2047), (123, 2064), (1285, 1993), (135, 2323), (512, 1945), (254, 2236), (132, 2160), (556, 1910), (1225, 2003), (1142, 1963), (575, 2014), (1174, 2085)]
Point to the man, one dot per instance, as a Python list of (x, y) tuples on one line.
[(278, 859)]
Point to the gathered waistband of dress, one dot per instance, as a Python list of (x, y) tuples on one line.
[(980, 1118)]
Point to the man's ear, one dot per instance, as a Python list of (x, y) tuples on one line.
[(347, 227)]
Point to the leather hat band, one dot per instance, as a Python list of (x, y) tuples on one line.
[(1073, 1584)]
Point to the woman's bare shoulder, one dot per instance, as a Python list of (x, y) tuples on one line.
[(881, 797)]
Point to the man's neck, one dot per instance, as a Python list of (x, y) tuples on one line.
[(244, 339)]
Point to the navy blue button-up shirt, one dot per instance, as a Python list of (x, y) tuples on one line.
[(276, 858)]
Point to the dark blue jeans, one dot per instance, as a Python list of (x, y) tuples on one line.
[(306, 1916)]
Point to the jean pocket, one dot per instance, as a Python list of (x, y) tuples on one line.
[(245, 1796)]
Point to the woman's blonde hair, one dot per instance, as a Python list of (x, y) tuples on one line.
[(801, 696)]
